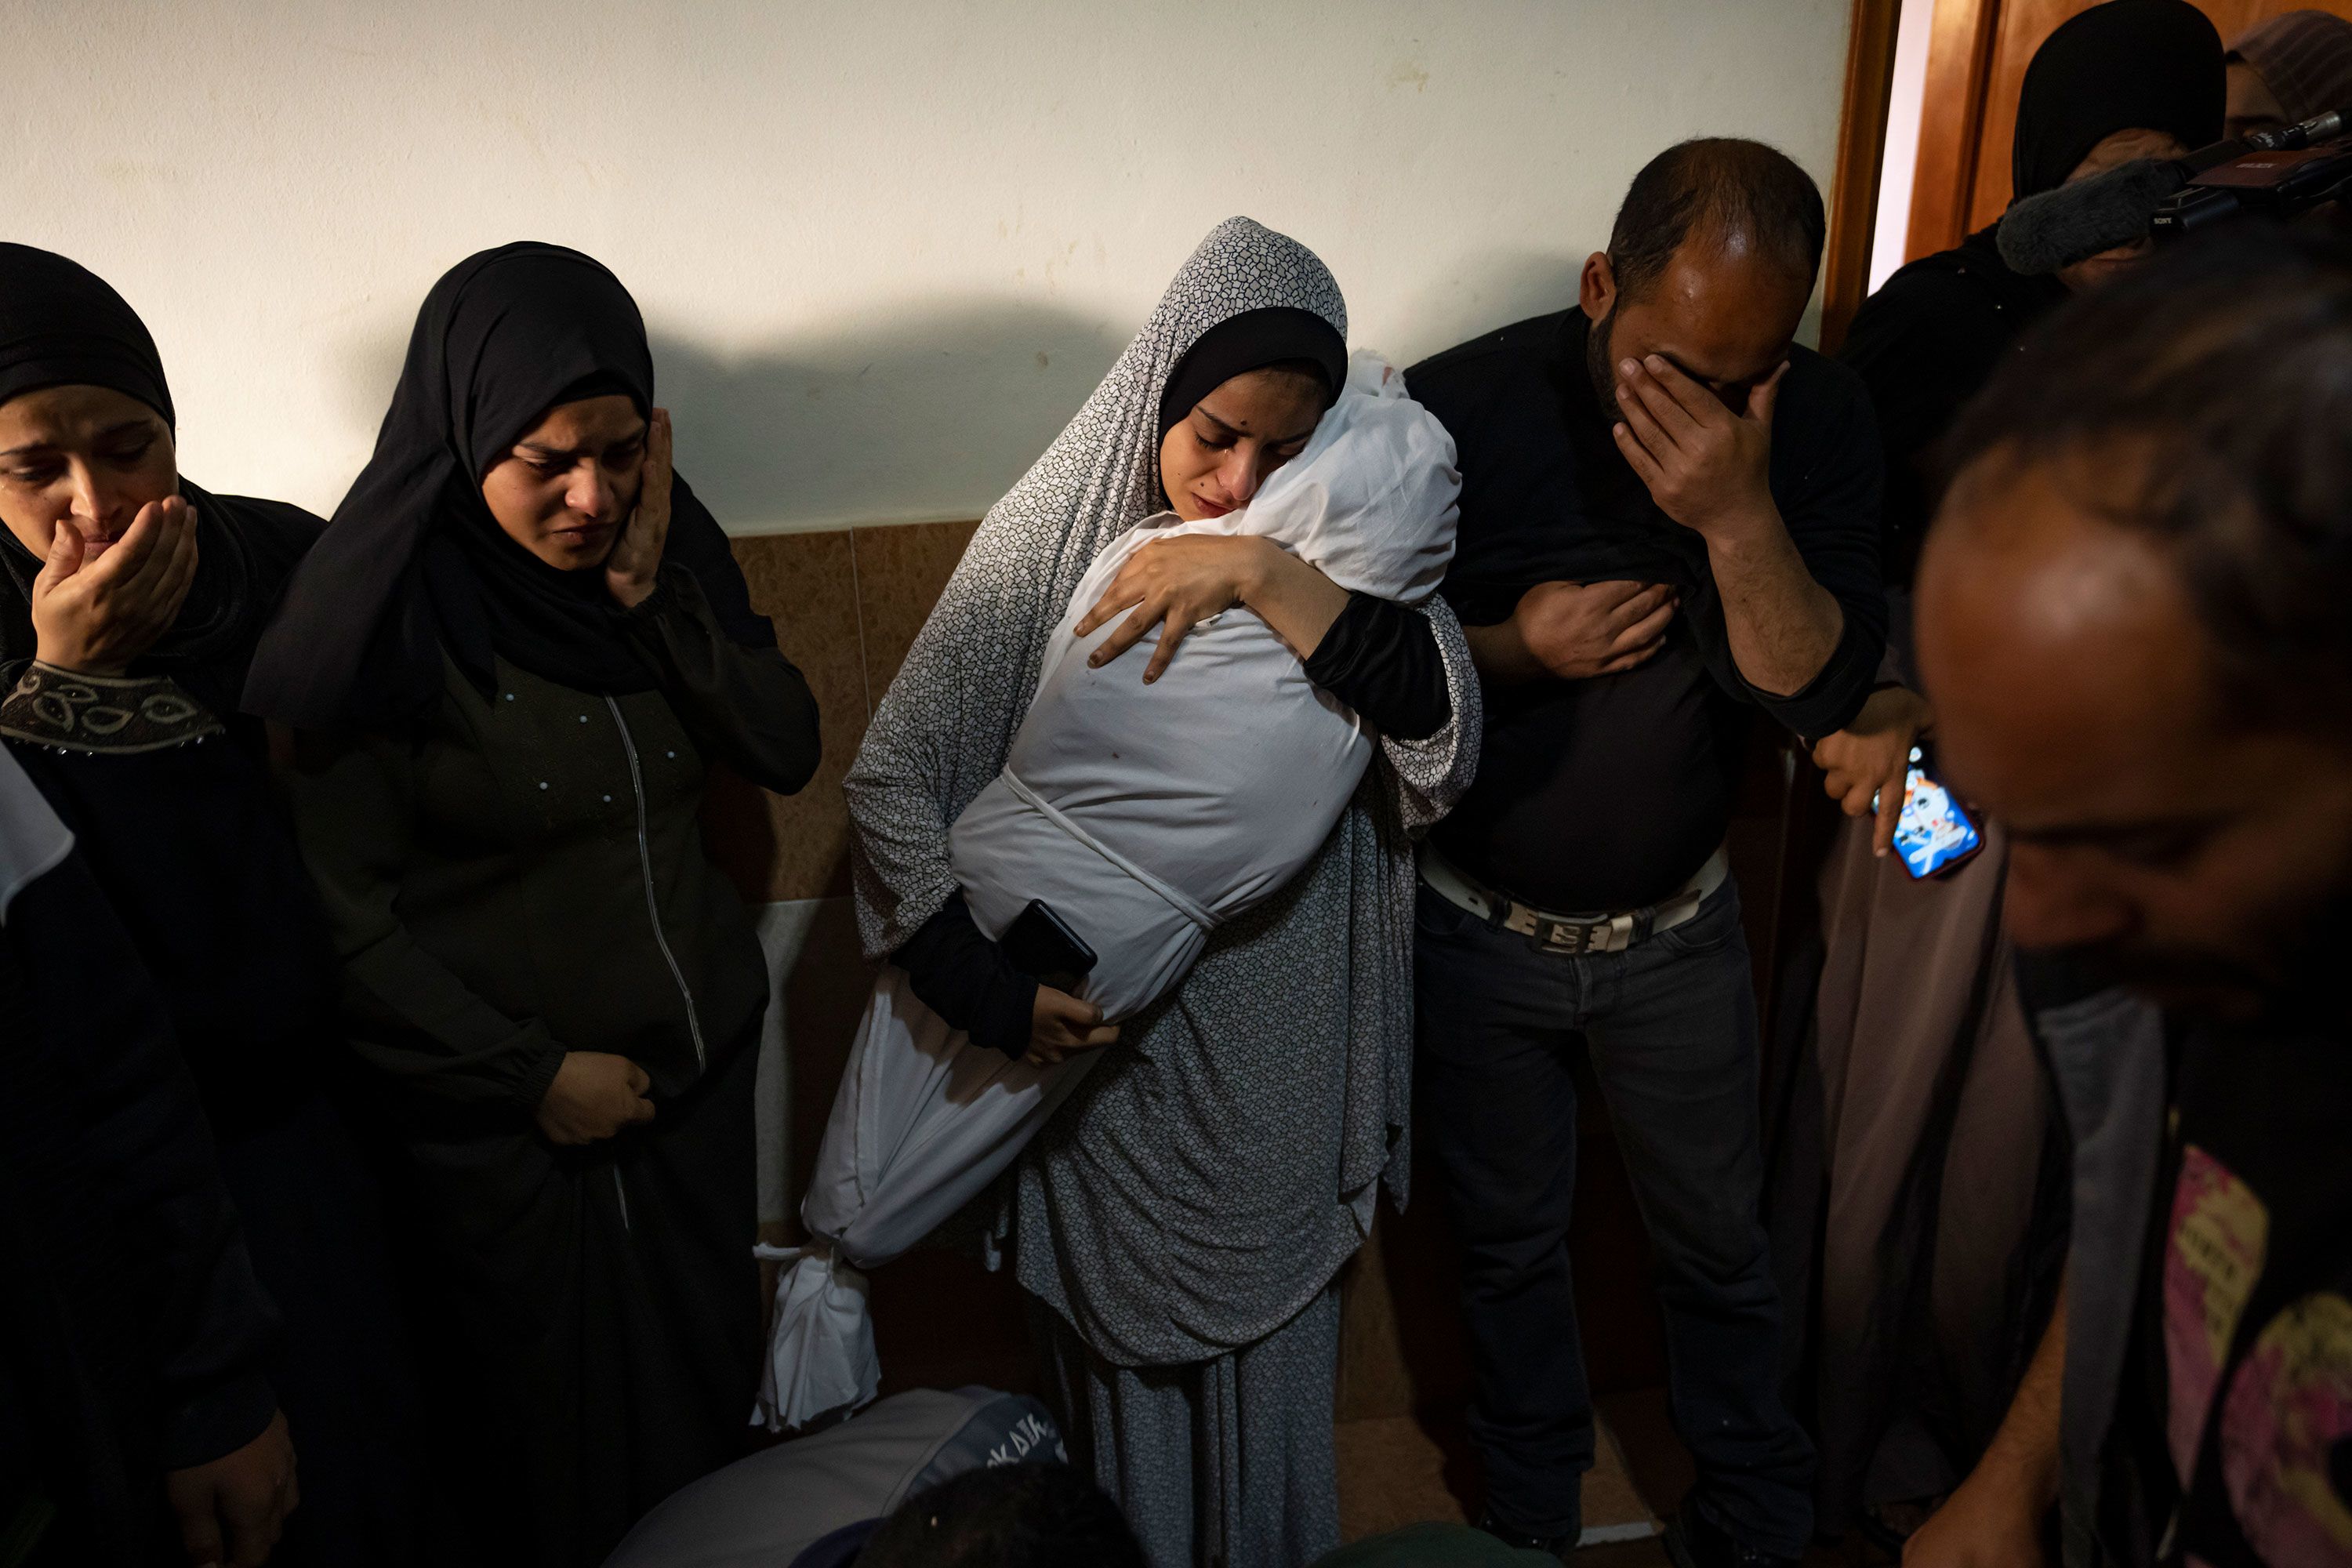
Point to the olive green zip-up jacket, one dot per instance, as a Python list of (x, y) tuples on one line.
[(527, 876)]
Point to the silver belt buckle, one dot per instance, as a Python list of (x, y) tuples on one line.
[(1559, 936), (1612, 935)]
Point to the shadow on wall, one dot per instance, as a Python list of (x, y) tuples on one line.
[(1484, 291), (908, 413), (1495, 288), (920, 411), (931, 410), (912, 414)]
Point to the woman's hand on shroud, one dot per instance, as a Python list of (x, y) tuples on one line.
[(94, 617), (1175, 584), (1060, 1025), (1870, 759), (594, 1095), (637, 554)]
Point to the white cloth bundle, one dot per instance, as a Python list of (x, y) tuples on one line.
[(1144, 817)]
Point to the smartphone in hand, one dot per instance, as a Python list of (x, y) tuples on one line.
[(1041, 945), (1933, 835)]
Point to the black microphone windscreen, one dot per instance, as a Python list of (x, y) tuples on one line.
[(2057, 229)]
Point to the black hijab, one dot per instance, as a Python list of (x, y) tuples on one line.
[(414, 566), (2129, 64), (62, 325), (1251, 341)]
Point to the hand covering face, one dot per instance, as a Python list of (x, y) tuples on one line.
[(62, 325), (414, 565)]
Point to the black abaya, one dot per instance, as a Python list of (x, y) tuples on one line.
[(501, 802), (167, 791), (133, 1338)]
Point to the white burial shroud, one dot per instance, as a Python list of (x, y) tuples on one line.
[(1145, 817)]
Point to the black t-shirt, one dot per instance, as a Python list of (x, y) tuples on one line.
[(2243, 1354), (1608, 793)]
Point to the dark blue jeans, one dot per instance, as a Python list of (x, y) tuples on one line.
[(1671, 1027)]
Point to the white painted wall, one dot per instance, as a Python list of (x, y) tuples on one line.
[(885, 248)]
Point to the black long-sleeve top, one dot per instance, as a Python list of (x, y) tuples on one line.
[(527, 876), (174, 813), (1378, 657), (1923, 344), (1608, 793), (133, 1328)]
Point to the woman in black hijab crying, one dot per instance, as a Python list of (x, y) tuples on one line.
[(129, 604), (515, 652)]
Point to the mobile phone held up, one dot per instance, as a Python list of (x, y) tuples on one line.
[(1041, 945), (1933, 835)]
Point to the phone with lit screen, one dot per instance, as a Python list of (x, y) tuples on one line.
[(1933, 835)]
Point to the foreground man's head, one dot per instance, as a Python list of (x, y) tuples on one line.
[(2135, 619)]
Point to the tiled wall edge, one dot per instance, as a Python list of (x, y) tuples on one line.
[(771, 528)]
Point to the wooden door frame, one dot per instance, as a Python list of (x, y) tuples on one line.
[(1862, 144), (1951, 123)]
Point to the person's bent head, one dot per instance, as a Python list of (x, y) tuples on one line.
[(1710, 264), (1242, 402), (1010, 1516), (2121, 81), (86, 438), (2132, 622)]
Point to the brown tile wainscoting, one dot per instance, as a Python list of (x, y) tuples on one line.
[(848, 605)]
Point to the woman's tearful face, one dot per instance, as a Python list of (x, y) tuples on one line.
[(1213, 459), (571, 481), (85, 458)]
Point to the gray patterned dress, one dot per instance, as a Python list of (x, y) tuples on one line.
[(1180, 1222)]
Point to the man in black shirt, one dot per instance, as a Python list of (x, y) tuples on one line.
[(1669, 520), (2132, 623)]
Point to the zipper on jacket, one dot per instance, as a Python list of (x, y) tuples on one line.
[(621, 1191), (653, 905)]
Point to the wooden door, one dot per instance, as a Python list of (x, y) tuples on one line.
[(1975, 64)]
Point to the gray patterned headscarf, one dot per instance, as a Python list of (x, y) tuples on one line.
[(1100, 479), (1301, 1012)]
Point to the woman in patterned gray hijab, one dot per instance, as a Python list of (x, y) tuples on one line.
[(1180, 1221)]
